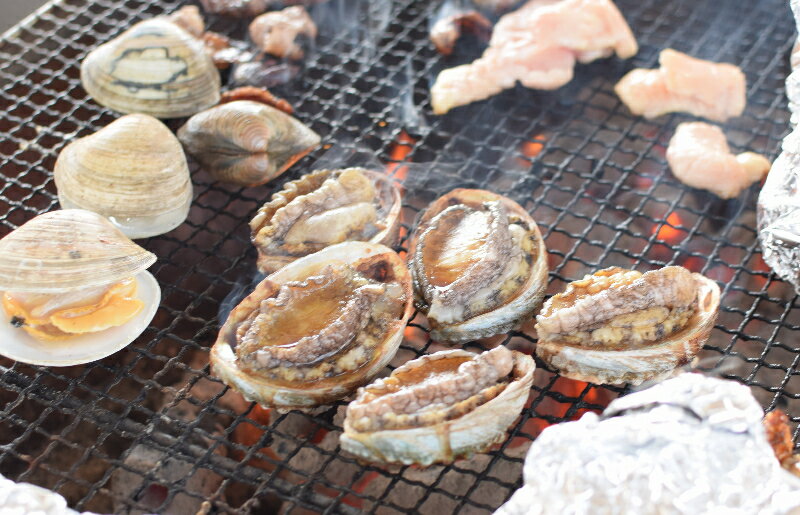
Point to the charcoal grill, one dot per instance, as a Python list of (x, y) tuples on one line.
[(593, 176)]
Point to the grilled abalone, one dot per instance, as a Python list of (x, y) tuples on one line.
[(439, 407), (620, 325), (317, 329), (479, 265), (324, 208)]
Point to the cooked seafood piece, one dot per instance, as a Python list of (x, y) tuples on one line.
[(133, 172), (66, 274), (236, 8), (537, 45), (699, 156), (316, 329), (689, 445), (276, 32), (154, 68), (619, 325), (447, 30), (261, 95), (439, 408), (716, 91), (479, 265), (246, 143), (779, 436), (324, 208)]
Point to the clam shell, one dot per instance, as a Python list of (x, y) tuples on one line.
[(155, 68), (389, 198), (132, 171), (305, 396), (509, 316), (446, 441), (245, 142), (68, 249), (635, 366)]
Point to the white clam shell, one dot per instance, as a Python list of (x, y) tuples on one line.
[(156, 68), (133, 171), (68, 249), (446, 441), (18, 345)]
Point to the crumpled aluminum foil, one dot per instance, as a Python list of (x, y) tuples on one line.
[(25, 498), (779, 201), (692, 444)]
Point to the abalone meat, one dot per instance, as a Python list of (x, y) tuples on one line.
[(619, 325), (246, 143), (439, 407), (479, 265), (133, 172), (317, 329), (74, 289), (324, 208)]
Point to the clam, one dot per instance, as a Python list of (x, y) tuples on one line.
[(246, 142), (439, 407), (324, 208), (619, 325), (132, 171), (317, 329), (155, 68), (74, 289), (479, 265)]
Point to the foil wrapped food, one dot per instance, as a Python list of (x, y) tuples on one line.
[(779, 201), (24, 498), (693, 444)]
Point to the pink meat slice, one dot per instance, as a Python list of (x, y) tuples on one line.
[(699, 156), (537, 45), (716, 91)]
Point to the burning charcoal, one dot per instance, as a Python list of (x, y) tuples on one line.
[(446, 31), (691, 444)]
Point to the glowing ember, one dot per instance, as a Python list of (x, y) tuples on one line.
[(669, 231), (398, 153), (530, 149)]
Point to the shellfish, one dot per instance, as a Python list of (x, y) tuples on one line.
[(133, 171), (323, 208), (246, 142), (620, 325), (74, 289), (276, 32), (439, 407), (155, 68), (317, 329), (479, 265)]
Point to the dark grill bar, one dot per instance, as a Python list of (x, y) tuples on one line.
[(593, 176)]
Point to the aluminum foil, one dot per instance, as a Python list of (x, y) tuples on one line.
[(692, 444), (24, 498), (779, 201)]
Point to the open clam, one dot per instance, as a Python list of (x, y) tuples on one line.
[(155, 68), (74, 289), (439, 407), (620, 325), (317, 329), (479, 265), (132, 171), (323, 208), (245, 142)]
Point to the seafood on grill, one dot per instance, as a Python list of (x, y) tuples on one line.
[(699, 156), (154, 68), (448, 29), (323, 208), (189, 19), (277, 32), (479, 265), (537, 45), (27, 498), (249, 8), (74, 289), (245, 142), (261, 95), (716, 91), (692, 444), (217, 46), (779, 436), (316, 329), (439, 407), (619, 325), (133, 172)]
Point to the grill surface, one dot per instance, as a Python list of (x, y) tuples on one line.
[(593, 176)]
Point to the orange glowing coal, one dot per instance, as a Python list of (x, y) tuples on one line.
[(531, 148), (669, 231), (398, 153)]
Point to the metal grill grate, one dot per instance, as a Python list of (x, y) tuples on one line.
[(594, 178)]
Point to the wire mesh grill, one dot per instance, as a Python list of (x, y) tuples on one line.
[(593, 176)]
